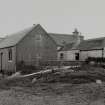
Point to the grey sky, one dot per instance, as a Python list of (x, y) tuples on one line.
[(60, 16)]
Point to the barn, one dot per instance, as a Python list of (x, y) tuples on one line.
[(29, 46)]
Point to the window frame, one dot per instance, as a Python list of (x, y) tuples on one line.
[(10, 53), (61, 56)]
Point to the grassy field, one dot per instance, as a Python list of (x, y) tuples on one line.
[(54, 94), (23, 92)]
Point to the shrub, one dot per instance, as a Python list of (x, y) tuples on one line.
[(95, 59)]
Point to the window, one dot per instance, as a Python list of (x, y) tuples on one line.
[(10, 54), (61, 55), (39, 37)]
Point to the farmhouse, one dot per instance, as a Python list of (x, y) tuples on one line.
[(29, 46), (64, 39), (68, 51), (86, 48)]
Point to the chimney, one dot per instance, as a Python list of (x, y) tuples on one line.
[(76, 32), (78, 37)]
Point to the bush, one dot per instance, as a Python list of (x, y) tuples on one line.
[(95, 59)]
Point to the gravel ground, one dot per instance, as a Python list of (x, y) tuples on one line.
[(54, 94)]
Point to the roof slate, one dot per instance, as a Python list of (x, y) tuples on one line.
[(13, 39), (67, 47), (90, 44), (62, 39)]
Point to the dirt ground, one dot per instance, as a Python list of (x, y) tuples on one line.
[(54, 94)]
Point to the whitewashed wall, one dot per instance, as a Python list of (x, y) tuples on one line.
[(71, 55), (92, 53), (83, 55), (104, 53), (68, 55), (64, 55)]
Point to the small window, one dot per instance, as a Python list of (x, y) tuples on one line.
[(10, 54), (61, 55), (39, 37)]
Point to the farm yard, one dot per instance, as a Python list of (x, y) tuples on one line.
[(63, 87), (40, 68), (52, 52)]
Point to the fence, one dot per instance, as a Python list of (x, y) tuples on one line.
[(35, 66), (51, 63)]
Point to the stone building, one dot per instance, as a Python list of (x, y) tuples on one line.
[(29, 46)]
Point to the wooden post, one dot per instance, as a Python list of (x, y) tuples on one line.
[(1, 54), (102, 52)]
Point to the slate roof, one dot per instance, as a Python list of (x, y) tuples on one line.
[(62, 39), (67, 47), (90, 44), (13, 39)]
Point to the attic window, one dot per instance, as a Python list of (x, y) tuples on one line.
[(39, 37), (10, 54)]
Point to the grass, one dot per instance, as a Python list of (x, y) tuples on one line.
[(55, 94), (84, 74), (60, 88)]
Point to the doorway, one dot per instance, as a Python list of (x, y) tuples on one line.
[(76, 56), (1, 60)]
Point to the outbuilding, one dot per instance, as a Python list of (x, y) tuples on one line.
[(86, 48), (92, 48)]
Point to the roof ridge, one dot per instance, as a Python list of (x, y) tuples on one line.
[(61, 34), (14, 33), (99, 38), (16, 37)]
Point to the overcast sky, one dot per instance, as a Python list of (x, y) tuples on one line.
[(58, 16)]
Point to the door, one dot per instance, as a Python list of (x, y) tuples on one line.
[(76, 56), (1, 61)]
